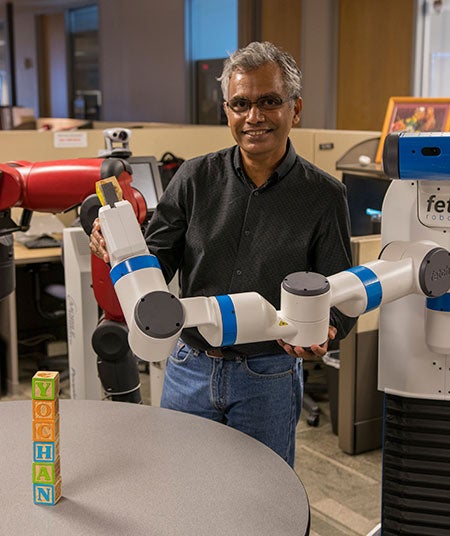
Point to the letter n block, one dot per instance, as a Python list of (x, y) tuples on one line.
[(48, 494)]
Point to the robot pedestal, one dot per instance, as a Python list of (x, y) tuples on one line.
[(416, 464)]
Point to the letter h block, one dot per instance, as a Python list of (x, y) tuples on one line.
[(45, 432)]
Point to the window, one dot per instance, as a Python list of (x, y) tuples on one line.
[(211, 35), (432, 77), (212, 28)]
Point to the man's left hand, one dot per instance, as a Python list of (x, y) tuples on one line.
[(316, 351)]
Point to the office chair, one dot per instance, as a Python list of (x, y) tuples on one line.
[(56, 291)]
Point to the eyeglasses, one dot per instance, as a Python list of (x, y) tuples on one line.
[(266, 103)]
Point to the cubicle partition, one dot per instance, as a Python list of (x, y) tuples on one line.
[(360, 413)]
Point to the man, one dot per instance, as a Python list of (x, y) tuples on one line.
[(238, 220)]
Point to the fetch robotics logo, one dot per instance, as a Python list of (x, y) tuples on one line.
[(438, 208), (434, 205)]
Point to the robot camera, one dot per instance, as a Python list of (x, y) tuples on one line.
[(117, 142), (431, 151), (121, 135)]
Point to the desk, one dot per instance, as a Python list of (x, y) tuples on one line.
[(132, 469), (8, 313), (23, 255)]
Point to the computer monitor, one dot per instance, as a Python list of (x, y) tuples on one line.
[(362, 193), (147, 179)]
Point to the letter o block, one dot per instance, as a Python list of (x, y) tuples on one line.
[(45, 409)]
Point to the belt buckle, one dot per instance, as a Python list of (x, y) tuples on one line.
[(215, 353)]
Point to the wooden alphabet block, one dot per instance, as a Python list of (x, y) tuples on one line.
[(45, 409), (45, 385), (47, 494), (45, 451), (45, 429), (46, 473)]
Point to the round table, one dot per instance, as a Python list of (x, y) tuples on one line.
[(132, 470)]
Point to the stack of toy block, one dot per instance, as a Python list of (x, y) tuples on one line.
[(46, 460)]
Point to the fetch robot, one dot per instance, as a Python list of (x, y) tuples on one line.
[(409, 282)]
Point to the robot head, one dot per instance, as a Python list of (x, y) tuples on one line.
[(417, 155)]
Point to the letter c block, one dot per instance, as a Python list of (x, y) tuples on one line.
[(45, 430)]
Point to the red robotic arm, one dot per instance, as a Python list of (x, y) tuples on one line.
[(58, 186)]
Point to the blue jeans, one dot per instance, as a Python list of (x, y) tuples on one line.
[(260, 396)]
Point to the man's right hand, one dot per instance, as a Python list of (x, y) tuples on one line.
[(97, 243)]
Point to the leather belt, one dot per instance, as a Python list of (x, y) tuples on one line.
[(214, 352), (224, 353)]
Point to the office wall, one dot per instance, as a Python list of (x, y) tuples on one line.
[(142, 61), (354, 55), (376, 42), (27, 91), (54, 100), (319, 55)]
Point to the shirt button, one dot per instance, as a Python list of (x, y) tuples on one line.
[(239, 272), (256, 193), (246, 232)]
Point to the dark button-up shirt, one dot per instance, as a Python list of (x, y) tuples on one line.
[(225, 235)]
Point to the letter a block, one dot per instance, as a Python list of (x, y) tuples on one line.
[(46, 473), (45, 432)]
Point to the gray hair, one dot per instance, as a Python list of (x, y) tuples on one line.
[(257, 54)]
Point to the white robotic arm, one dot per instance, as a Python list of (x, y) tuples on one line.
[(155, 316), (412, 273)]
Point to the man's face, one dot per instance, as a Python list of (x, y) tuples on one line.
[(261, 133)]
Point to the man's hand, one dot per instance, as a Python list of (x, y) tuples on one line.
[(314, 352), (97, 243)]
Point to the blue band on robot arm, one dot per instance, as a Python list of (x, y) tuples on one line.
[(229, 324), (371, 284), (442, 303), (132, 265)]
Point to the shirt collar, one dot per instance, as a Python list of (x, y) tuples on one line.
[(281, 171)]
